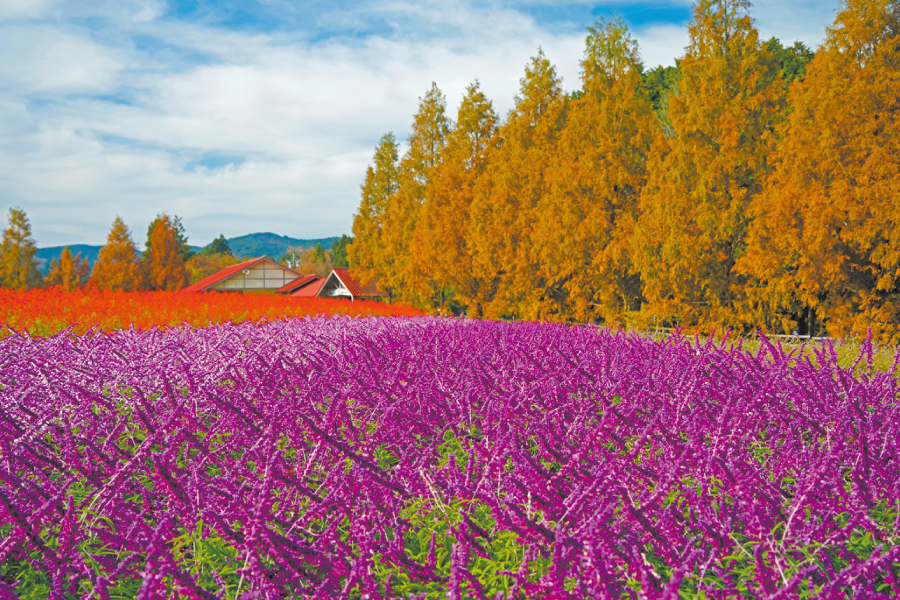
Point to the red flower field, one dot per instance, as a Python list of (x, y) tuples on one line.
[(46, 311)]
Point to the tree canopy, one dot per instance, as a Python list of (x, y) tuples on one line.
[(69, 272), (18, 266), (118, 267), (164, 263), (753, 185)]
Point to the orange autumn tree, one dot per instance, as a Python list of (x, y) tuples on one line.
[(68, 272), (825, 240), (694, 208), (424, 152), (588, 213), (164, 266), (504, 207), (118, 266), (366, 253), (440, 260)]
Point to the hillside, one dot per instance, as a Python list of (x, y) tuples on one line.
[(45, 255), (252, 245), (271, 244)]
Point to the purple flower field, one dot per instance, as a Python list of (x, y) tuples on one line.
[(419, 457)]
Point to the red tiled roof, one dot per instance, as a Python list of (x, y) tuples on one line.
[(310, 290), (225, 273), (353, 285), (297, 283)]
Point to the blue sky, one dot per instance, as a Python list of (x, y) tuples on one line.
[(261, 115)]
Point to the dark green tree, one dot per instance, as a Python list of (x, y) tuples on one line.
[(793, 59), (218, 246), (339, 251), (659, 82), (318, 254)]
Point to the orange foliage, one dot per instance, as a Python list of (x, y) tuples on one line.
[(163, 267), (694, 216), (70, 273), (825, 240), (587, 215), (118, 266), (440, 256), (50, 310), (743, 196)]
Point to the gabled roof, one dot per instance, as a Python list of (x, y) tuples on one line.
[(297, 284), (311, 290), (352, 285), (208, 282)]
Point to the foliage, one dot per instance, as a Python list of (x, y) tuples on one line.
[(593, 187), (202, 265), (825, 240), (793, 59), (693, 223), (658, 83), (315, 260), (163, 262), (744, 188), (217, 246), (367, 254), (437, 458), (18, 268), (440, 256), (181, 240), (70, 273), (339, 251), (505, 207), (118, 265), (46, 311)]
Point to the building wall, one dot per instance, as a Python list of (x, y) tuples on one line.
[(333, 288), (262, 276)]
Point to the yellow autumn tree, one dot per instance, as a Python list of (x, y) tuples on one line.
[(118, 266), (694, 208), (18, 266), (587, 215), (440, 261), (68, 272), (164, 266), (504, 206), (825, 240), (366, 253)]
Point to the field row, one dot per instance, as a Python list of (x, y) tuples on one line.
[(420, 457)]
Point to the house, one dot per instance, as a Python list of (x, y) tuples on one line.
[(341, 284), (257, 274)]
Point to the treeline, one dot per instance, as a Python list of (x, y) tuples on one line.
[(166, 263), (753, 186)]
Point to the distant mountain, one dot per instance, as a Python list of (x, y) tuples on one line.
[(45, 255), (271, 244), (251, 245)]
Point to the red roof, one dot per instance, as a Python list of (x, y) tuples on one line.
[(353, 286), (297, 284), (310, 290), (208, 282)]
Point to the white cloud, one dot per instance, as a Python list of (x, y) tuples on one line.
[(239, 132), (46, 59), (24, 9)]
